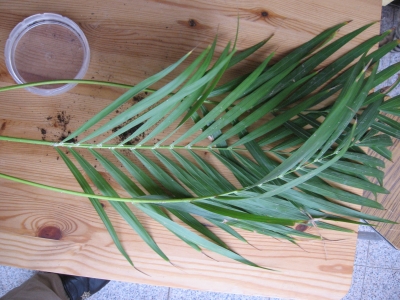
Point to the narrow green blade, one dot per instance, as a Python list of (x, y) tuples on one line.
[(195, 224), (197, 239), (311, 173), (150, 100), (335, 67), (365, 159), (228, 229), (244, 216), (124, 98), (163, 177), (133, 190), (288, 61), (324, 131), (223, 104), (96, 204)]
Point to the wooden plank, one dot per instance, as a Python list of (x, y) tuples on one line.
[(131, 40)]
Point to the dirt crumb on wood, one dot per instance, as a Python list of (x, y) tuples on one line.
[(138, 98), (3, 126), (43, 131), (65, 135), (123, 136), (62, 120)]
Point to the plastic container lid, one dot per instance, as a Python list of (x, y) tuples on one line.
[(47, 47)]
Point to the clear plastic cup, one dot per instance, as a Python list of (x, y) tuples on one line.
[(47, 47)]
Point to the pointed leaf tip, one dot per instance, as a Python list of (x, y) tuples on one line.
[(388, 31)]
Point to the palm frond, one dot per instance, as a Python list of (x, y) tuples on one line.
[(263, 131)]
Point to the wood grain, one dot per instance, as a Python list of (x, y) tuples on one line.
[(129, 41)]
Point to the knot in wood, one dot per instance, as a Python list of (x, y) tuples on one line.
[(50, 232)]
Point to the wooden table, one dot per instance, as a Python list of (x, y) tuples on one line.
[(130, 40)]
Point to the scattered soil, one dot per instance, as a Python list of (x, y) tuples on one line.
[(64, 136), (138, 98), (43, 132), (62, 120), (123, 136)]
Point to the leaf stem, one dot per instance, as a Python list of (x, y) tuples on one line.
[(74, 81), (132, 200), (82, 81), (111, 146), (80, 194)]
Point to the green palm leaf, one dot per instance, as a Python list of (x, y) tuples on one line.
[(276, 154)]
